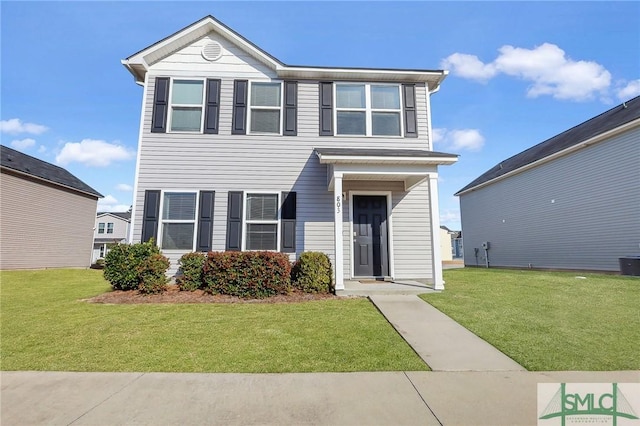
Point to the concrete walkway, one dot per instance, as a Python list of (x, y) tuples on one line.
[(440, 341), (386, 398)]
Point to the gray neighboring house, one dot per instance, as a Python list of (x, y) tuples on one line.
[(46, 214), (570, 202), (110, 228), (239, 151)]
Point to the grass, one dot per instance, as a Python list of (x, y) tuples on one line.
[(46, 326), (548, 321)]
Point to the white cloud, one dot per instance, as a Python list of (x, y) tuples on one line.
[(15, 126), (23, 143), (630, 90), (459, 139), (110, 204), (449, 216), (92, 152), (124, 187), (546, 67), (42, 149)]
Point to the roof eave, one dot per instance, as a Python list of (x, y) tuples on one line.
[(432, 77), (352, 159), (95, 194)]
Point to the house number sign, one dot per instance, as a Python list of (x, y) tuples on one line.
[(338, 204)]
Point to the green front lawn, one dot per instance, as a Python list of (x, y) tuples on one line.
[(548, 320), (46, 326)]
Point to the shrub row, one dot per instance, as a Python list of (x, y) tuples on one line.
[(136, 266), (255, 274)]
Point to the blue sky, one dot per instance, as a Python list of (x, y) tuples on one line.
[(520, 72)]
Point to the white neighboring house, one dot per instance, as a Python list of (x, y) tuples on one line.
[(111, 228)]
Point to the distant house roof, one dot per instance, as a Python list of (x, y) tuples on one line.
[(31, 166), (123, 215), (605, 122)]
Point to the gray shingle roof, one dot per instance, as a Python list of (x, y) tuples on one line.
[(123, 215), (609, 120), (23, 163)]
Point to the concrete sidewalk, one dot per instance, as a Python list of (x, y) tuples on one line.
[(441, 342), (386, 398)]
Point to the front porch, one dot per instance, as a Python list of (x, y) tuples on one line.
[(372, 288)]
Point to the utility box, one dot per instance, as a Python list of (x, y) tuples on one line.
[(630, 265)]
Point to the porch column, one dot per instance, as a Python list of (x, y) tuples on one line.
[(337, 227), (436, 255)]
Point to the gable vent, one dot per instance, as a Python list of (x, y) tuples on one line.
[(212, 51)]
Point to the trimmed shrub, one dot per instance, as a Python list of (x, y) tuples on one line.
[(151, 273), (252, 274), (191, 266), (312, 273), (123, 261)]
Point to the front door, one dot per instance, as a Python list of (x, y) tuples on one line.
[(370, 251)]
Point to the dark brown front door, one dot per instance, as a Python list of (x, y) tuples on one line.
[(370, 251)]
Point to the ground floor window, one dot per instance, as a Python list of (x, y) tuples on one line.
[(177, 229), (261, 221)]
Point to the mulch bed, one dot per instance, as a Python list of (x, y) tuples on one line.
[(174, 295)]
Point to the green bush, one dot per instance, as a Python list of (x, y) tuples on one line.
[(312, 273), (251, 274), (191, 266), (123, 261), (151, 273)]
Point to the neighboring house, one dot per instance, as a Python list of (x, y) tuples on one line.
[(446, 243), (110, 228), (46, 214), (570, 202), (239, 151)]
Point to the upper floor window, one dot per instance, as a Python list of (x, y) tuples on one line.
[(368, 109), (265, 107), (187, 98), (177, 228), (101, 228), (110, 228)]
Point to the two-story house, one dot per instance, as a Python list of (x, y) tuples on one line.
[(111, 228), (239, 151)]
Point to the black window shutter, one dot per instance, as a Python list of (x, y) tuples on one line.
[(151, 216), (410, 119), (205, 221), (240, 88), (288, 220), (212, 107), (290, 108), (234, 221), (326, 109), (160, 105)]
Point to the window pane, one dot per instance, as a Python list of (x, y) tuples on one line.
[(101, 228), (265, 94), (386, 123), (179, 206), (262, 207), (186, 119), (351, 123), (178, 236), (350, 96), (109, 228), (262, 236), (385, 97), (187, 92), (265, 121)]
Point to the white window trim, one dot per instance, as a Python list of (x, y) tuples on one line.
[(163, 221), (112, 227), (389, 195), (104, 228), (368, 110), (280, 108), (245, 221), (171, 104)]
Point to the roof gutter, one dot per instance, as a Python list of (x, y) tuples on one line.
[(591, 141)]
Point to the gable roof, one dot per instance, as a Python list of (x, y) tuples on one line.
[(139, 63), (27, 165), (122, 215), (591, 131)]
